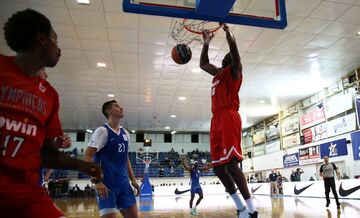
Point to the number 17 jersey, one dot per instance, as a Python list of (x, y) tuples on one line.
[(28, 114)]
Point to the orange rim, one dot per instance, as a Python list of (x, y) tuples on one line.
[(197, 32)]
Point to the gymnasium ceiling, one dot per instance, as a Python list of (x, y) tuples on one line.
[(279, 67)]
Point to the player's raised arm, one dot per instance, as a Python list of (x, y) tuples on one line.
[(235, 56), (186, 167), (204, 58)]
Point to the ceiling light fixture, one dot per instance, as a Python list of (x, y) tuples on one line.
[(313, 55), (167, 127), (101, 64), (110, 95), (172, 115), (358, 33), (173, 132), (83, 2), (89, 131), (196, 70), (133, 131), (182, 98)]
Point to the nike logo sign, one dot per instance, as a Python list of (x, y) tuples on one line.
[(346, 192), (298, 191), (253, 190), (177, 192)]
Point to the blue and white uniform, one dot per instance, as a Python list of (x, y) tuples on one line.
[(195, 181), (112, 155)]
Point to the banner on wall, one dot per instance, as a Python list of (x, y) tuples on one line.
[(309, 155), (291, 140), (334, 148), (338, 104), (315, 133), (272, 132), (259, 137), (357, 107), (312, 118), (341, 125), (291, 160), (290, 126), (355, 141), (272, 147), (259, 150), (246, 142)]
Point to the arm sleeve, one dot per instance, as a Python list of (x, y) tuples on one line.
[(128, 136), (321, 168), (53, 125), (335, 168), (98, 138)]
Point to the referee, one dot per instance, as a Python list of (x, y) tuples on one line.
[(327, 172)]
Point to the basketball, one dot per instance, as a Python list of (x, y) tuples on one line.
[(181, 54)]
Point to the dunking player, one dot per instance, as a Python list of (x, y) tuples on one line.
[(29, 122), (195, 184), (109, 147), (225, 130)]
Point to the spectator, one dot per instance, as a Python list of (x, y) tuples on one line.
[(75, 191), (75, 152), (273, 184), (253, 179), (87, 191), (298, 173), (292, 176), (161, 172), (345, 176), (280, 181)]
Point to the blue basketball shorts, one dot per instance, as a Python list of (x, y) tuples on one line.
[(196, 190), (118, 199)]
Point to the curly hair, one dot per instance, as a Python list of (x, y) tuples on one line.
[(23, 26)]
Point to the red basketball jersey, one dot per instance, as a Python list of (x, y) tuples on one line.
[(28, 114), (225, 91)]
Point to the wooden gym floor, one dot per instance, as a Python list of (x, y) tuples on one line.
[(220, 206)]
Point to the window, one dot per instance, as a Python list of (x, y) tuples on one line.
[(194, 138), (80, 136), (167, 138), (139, 137)]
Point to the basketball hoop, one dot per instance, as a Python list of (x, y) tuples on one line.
[(188, 30), (147, 163)]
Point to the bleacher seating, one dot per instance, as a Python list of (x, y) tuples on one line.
[(168, 165)]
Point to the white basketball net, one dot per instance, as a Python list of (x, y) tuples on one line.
[(188, 31)]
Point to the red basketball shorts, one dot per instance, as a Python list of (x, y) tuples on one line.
[(39, 206), (225, 137)]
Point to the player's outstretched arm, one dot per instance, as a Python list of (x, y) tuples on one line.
[(235, 56), (52, 158), (206, 168), (100, 187), (204, 57)]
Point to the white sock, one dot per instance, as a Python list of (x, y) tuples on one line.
[(239, 205), (250, 204), (195, 207)]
